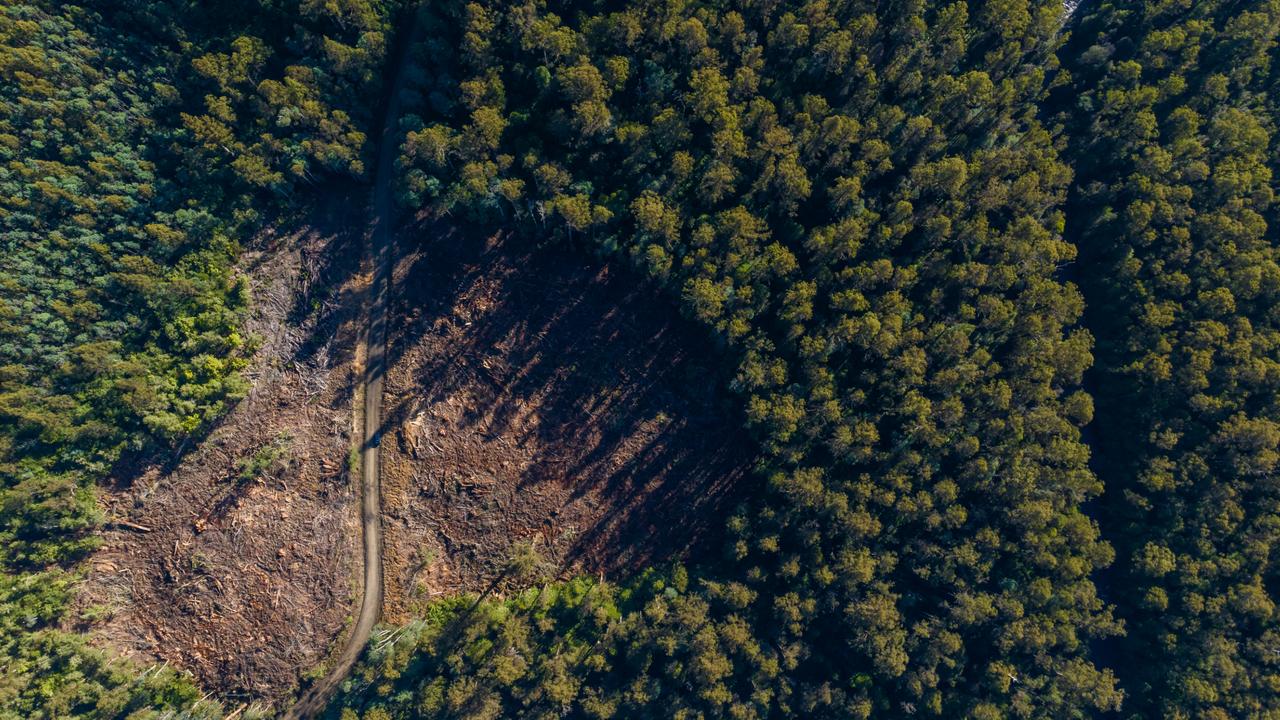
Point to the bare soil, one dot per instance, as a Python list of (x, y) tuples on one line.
[(237, 562), (538, 397), (533, 397)]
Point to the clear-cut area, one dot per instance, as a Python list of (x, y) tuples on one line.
[(540, 400), (235, 559)]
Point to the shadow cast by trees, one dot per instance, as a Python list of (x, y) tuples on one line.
[(201, 548), (614, 401)]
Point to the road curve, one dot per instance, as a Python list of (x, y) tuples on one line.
[(374, 338)]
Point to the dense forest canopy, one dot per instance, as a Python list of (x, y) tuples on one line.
[(1175, 215), (999, 280)]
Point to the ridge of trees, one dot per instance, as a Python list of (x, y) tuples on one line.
[(1173, 114)]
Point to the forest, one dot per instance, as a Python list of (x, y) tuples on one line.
[(997, 283)]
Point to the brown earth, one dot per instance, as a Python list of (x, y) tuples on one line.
[(533, 397), (243, 575), (537, 397)]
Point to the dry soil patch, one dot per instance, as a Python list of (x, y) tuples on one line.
[(537, 396), (242, 571)]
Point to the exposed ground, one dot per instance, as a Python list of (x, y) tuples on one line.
[(536, 397), (237, 561), (533, 397), (373, 346)]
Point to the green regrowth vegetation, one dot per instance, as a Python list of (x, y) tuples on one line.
[(267, 459), (138, 142)]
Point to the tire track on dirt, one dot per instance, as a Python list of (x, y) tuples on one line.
[(378, 300)]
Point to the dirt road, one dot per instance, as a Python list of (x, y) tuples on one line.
[(382, 225)]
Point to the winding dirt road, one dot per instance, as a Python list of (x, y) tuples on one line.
[(374, 339)]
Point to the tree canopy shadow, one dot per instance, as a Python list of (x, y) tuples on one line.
[(614, 404)]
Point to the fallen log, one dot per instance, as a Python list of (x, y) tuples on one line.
[(132, 526)]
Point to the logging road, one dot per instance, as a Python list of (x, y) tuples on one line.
[(374, 339)]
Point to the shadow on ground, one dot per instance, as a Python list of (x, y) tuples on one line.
[(244, 577), (538, 396)]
